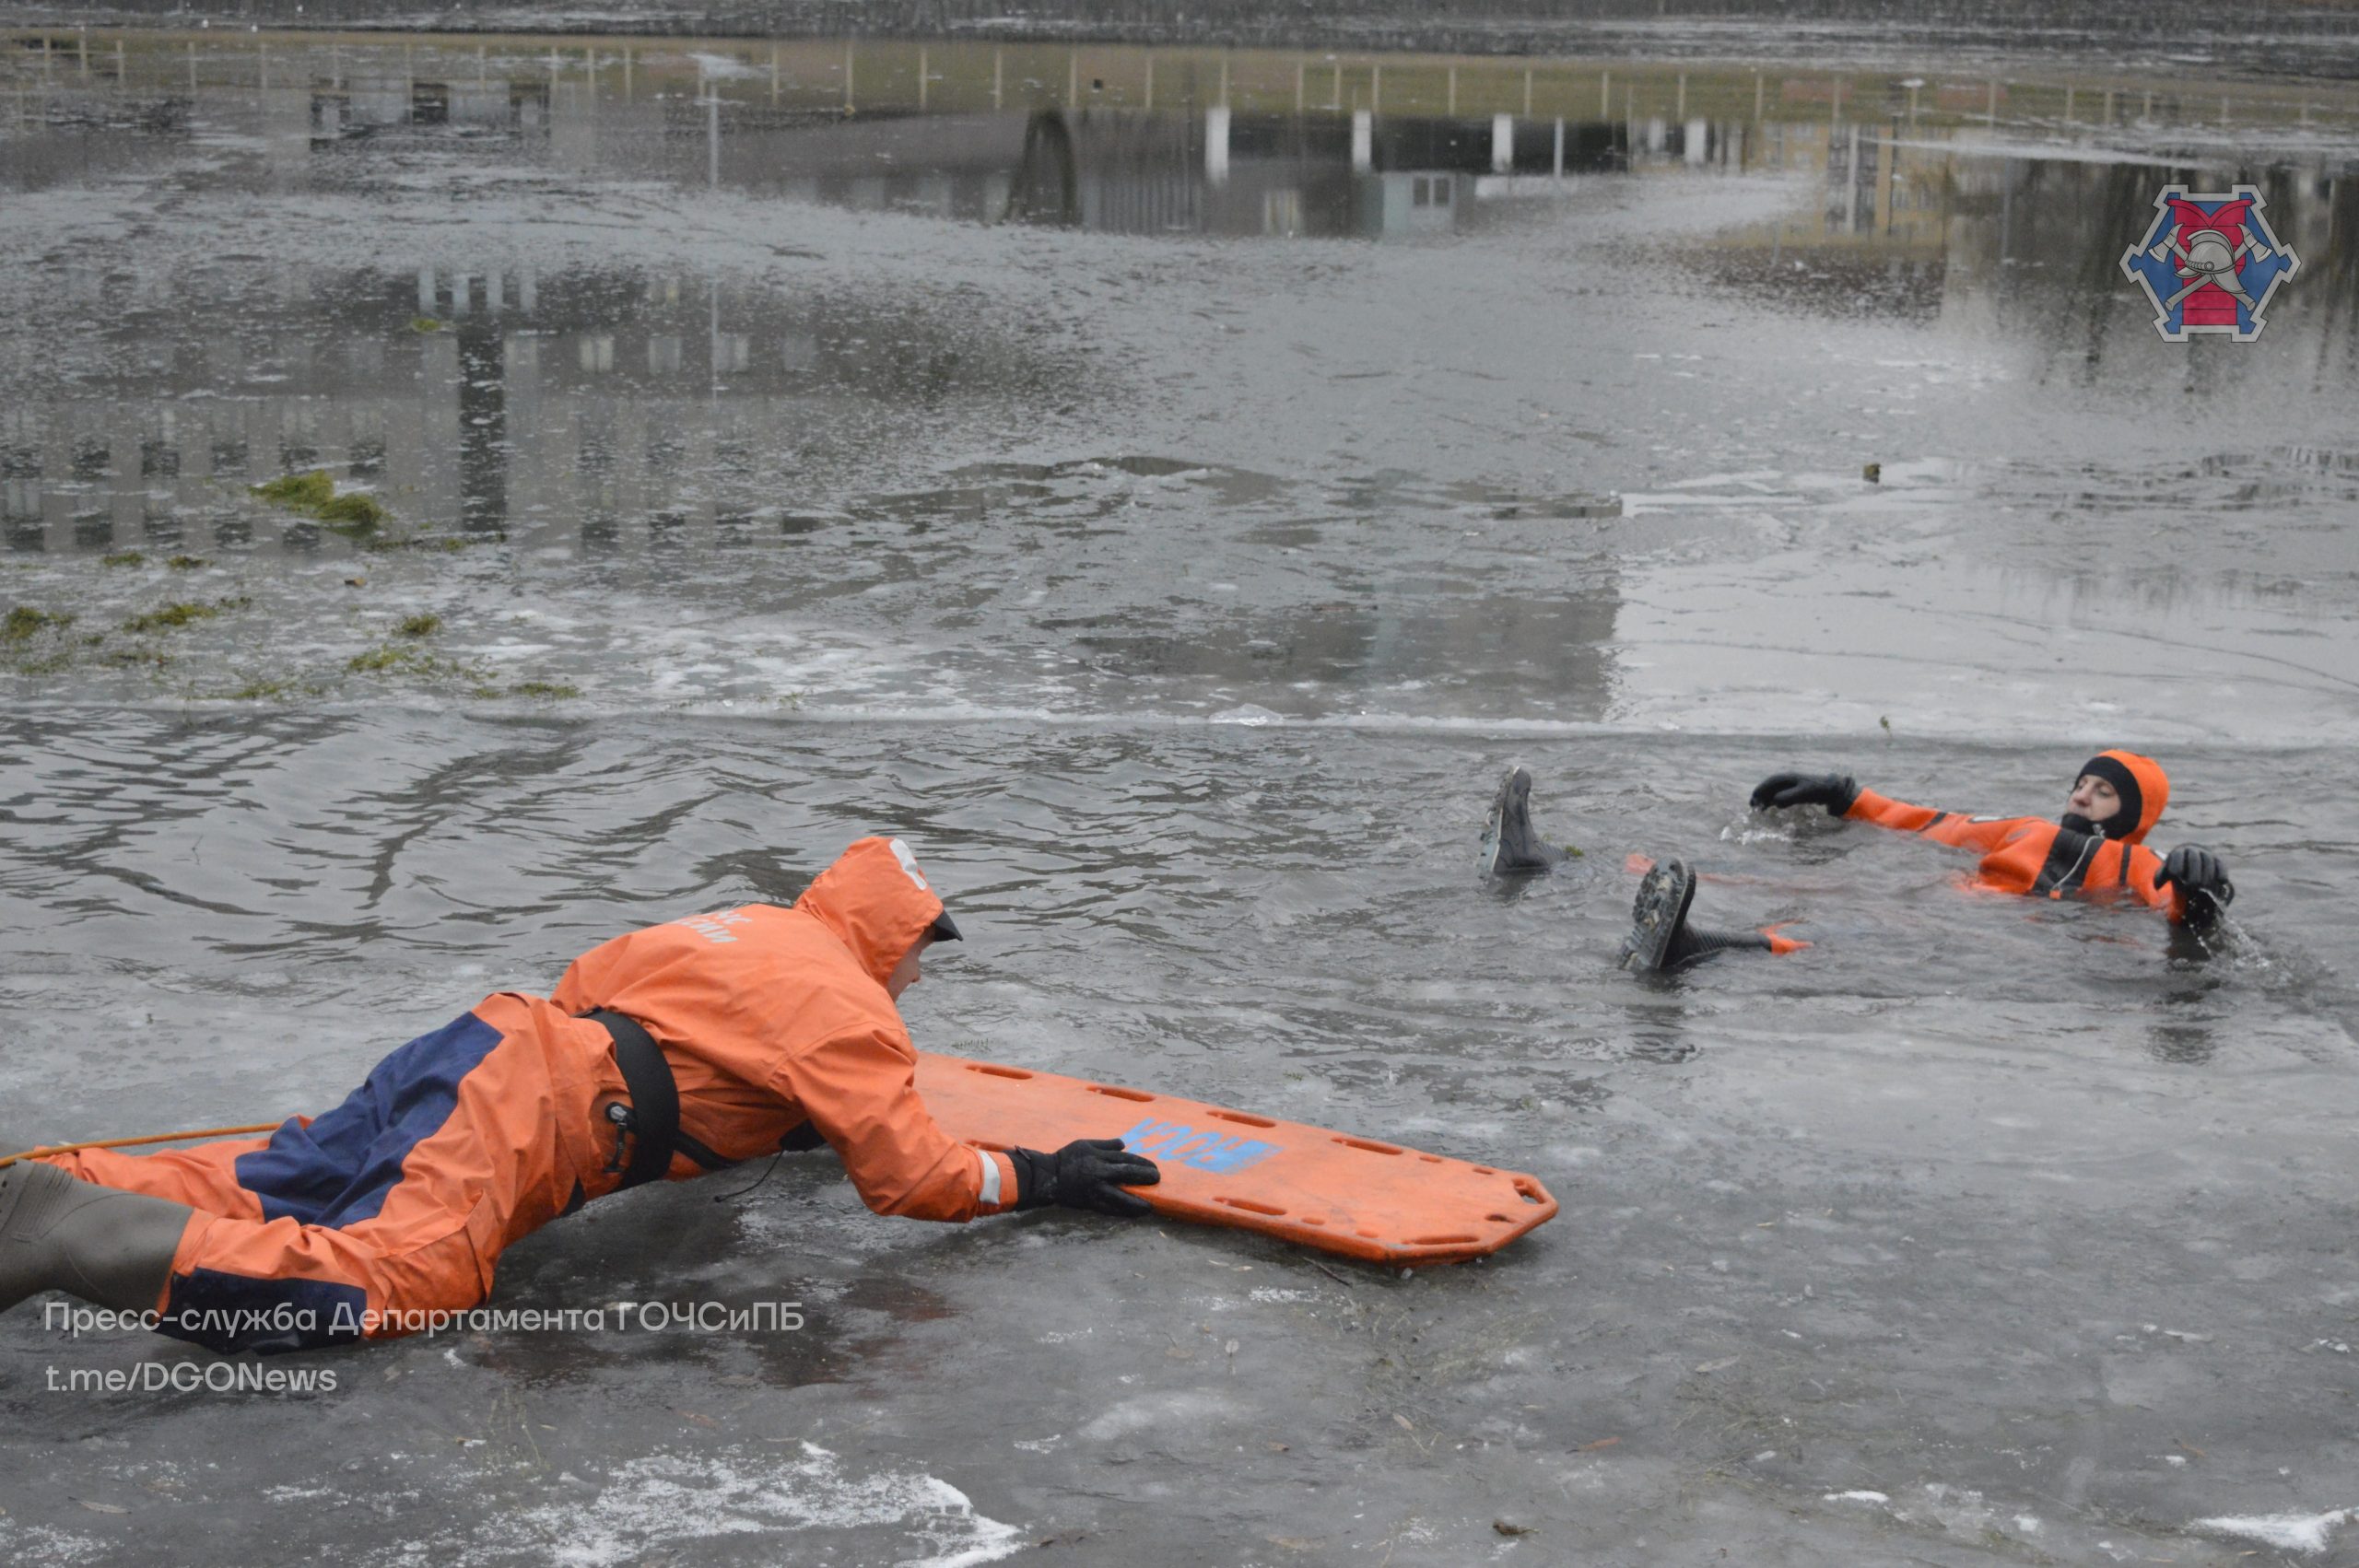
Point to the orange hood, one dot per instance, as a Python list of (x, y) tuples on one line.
[(877, 902), (2149, 791)]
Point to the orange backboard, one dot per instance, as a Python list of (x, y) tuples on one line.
[(1364, 1199)]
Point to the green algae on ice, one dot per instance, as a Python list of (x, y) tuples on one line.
[(167, 617), (170, 616), (354, 514), (22, 621)]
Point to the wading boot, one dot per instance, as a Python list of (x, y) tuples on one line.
[(110, 1247), (1660, 940), (1510, 846)]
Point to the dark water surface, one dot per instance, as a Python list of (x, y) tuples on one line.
[(1168, 488)]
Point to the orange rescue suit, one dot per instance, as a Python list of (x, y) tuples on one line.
[(396, 1205), (2046, 859)]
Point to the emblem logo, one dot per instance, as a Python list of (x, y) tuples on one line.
[(2209, 263), (1172, 1140)]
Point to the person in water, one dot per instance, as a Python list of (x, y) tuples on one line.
[(2096, 851), (663, 1054)]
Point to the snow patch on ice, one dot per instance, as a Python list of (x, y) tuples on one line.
[(2288, 1532), (36, 1544), (663, 1503)]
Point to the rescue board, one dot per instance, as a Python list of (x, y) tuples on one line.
[(1379, 1202)]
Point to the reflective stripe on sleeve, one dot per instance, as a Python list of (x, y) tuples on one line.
[(990, 1178)]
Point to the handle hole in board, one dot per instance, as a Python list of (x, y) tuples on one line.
[(1141, 1095), (1363, 1143), (1016, 1072), (1244, 1120), (1251, 1207)]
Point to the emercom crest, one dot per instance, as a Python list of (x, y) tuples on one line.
[(2209, 263)]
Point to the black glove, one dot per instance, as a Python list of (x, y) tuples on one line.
[(2197, 870), (1088, 1173), (1835, 792)]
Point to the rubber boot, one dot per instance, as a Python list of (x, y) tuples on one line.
[(1660, 940), (1690, 945), (1510, 846), (110, 1247)]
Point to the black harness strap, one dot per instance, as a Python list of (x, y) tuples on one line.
[(2068, 854), (653, 1117)]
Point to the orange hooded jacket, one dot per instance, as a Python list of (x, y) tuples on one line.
[(771, 1018), (397, 1203), (2040, 858)]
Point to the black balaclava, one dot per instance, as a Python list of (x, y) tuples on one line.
[(2110, 768)]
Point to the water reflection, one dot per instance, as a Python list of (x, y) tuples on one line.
[(471, 398), (2024, 245), (519, 380), (1125, 139), (2183, 1026), (1929, 198), (1279, 176), (678, 416)]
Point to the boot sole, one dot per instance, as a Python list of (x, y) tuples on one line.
[(1495, 822), (1656, 914)]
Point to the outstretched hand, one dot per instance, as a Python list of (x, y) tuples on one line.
[(1835, 792), (1088, 1173), (2196, 870)]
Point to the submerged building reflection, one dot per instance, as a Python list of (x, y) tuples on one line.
[(636, 406), (476, 401)]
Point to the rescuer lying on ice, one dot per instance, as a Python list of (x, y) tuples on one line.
[(664, 1054), (2096, 851)]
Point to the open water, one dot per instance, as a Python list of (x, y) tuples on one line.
[(1167, 487)]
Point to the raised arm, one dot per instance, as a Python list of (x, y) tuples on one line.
[(1842, 796)]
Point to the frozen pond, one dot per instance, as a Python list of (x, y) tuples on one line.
[(1167, 486)]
